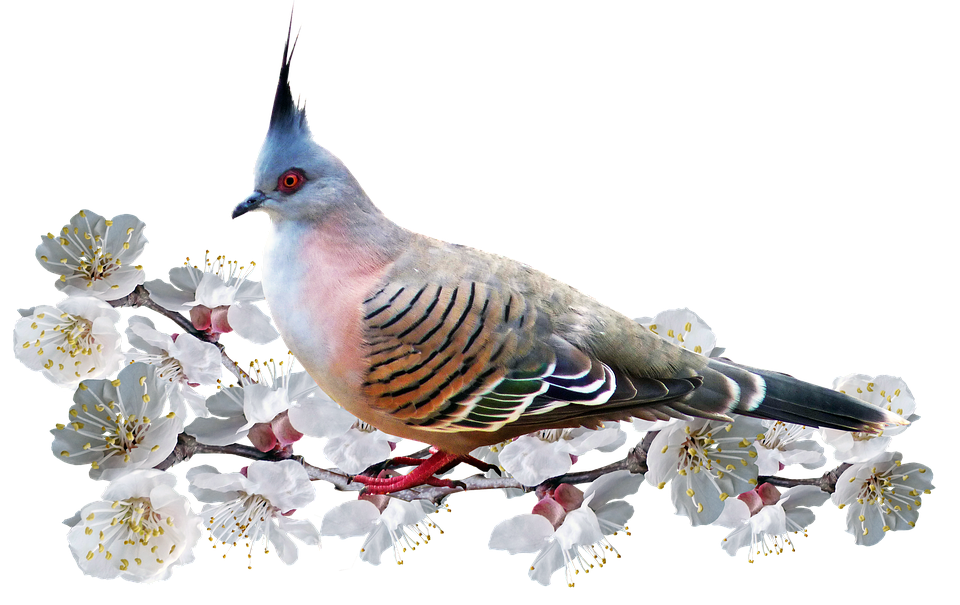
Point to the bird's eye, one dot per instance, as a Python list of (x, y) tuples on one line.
[(290, 181)]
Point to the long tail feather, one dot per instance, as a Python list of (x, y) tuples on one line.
[(790, 400)]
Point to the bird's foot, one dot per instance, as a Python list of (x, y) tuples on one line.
[(422, 474)]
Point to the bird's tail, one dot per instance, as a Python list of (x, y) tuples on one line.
[(776, 396)]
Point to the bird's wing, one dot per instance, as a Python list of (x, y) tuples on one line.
[(472, 357)]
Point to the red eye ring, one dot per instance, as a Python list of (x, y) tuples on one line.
[(291, 181)]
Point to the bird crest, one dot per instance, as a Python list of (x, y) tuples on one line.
[(287, 117)]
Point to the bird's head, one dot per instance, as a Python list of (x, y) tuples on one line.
[(296, 179)]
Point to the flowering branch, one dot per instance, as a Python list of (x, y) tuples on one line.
[(187, 447), (132, 426), (140, 297), (635, 462)]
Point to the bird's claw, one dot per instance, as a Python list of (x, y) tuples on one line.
[(422, 474)]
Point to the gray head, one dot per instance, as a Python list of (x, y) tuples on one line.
[(296, 179)]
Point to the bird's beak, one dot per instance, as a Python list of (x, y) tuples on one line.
[(251, 203)]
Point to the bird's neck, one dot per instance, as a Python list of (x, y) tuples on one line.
[(347, 243)]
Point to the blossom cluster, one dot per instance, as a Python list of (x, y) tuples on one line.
[(135, 405)]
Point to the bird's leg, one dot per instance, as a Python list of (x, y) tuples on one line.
[(413, 461), (404, 461), (422, 474)]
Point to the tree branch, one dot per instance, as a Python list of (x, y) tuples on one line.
[(187, 447), (635, 461), (140, 297), (826, 482)]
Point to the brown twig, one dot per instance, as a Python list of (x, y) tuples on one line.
[(826, 482)]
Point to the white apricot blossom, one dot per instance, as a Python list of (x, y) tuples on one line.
[(256, 506), (219, 297), (118, 426), (386, 523), (785, 444), (570, 533), (882, 495), (533, 458), (140, 531), (886, 392), (184, 360), (94, 256), (77, 339)]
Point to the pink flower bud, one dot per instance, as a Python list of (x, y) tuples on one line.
[(769, 494), (551, 510), (276, 434), (211, 321), (568, 496), (200, 317), (262, 437), (218, 320), (752, 500), (284, 431), (764, 495)]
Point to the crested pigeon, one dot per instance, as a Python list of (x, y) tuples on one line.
[(459, 348)]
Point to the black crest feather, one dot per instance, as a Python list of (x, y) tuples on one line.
[(286, 115)]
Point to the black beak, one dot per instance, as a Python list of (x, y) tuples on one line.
[(251, 203)]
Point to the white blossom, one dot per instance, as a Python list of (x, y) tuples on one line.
[(94, 256), (387, 523), (183, 361), (705, 462), (359, 447), (579, 541), (785, 444), (881, 495), (77, 339), (118, 426), (887, 392), (220, 297), (140, 531), (247, 509), (235, 411), (533, 458), (768, 529), (225, 422)]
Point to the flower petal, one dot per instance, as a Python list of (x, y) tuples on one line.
[(356, 450), (320, 416), (251, 323), (285, 483), (353, 518), (301, 529), (207, 484), (523, 533), (612, 486), (218, 431), (285, 547), (531, 460), (167, 296)]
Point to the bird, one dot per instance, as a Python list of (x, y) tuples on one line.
[(460, 348)]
